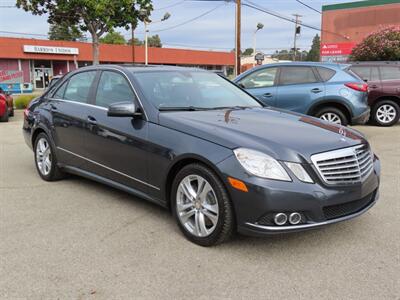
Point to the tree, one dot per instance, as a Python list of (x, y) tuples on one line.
[(314, 54), (65, 32), (383, 44), (248, 51), (113, 37), (154, 41), (137, 42), (95, 16)]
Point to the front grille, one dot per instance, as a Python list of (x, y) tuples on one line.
[(344, 166), (344, 209)]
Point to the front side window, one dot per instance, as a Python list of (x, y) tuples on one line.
[(363, 72), (113, 88), (297, 75), (260, 79), (191, 89), (79, 86), (59, 94), (390, 73)]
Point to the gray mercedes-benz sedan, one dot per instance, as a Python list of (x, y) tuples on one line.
[(199, 145)]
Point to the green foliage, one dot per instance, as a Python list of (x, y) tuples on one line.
[(288, 55), (314, 54), (136, 41), (65, 32), (95, 16), (22, 101), (154, 41), (113, 38), (383, 44), (248, 51)]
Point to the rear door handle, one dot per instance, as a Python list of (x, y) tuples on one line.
[(267, 95), (316, 90), (91, 120)]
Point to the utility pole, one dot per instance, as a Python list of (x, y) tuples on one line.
[(296, 32), (133, 42), (238, 37)]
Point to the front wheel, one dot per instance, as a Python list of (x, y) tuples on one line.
[(201, 206), (333, 115), (386, 113)]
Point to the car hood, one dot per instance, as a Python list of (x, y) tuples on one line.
[(283, 135)]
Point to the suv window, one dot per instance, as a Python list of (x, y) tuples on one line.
[(79, 86), (367, 73), (259, 79), (297, 75), (390, 73), (326, 73), (60, 91), (113, 88)]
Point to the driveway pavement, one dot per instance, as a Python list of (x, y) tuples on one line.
[(76, 239)]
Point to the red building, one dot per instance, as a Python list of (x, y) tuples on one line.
[(347, 24), (27, 64)]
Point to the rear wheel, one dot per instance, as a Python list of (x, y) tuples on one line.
[(12, 112), (333, 115), (386, 113), (201, 206), (45, 159)]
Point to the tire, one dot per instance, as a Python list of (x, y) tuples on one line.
[(47, 171), (385, 113), (332, 113), (213, 209), (4, 118), (12, 112)]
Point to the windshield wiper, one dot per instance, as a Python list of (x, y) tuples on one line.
[(231, 107), (181, 108)]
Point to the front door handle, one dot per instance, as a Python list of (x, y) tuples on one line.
[(316, 90), (267, 95), (374, 86), (53, 107), (91, 120)]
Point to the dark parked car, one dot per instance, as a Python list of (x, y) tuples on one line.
[(327, 91), (197, 144), (384, 90), (6, 106)]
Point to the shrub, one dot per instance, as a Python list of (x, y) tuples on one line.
[(383, 44), (22, 101)]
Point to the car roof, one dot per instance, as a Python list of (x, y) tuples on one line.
[(135, 68), (374, 63)]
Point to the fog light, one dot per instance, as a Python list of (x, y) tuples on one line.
[(280, 219), (294, 218)]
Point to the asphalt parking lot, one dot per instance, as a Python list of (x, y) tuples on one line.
[(76, 239)]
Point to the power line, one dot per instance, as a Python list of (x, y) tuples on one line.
[(308, 6), (169, 6)]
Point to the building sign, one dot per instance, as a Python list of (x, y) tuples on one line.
[(11, 76), (51, 50), (335, 59), (337, 49)]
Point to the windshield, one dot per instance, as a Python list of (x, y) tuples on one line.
[(191, 90)]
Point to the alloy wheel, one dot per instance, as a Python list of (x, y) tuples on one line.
[(386, 113), (331, 117), (43, 156), (197, 206)]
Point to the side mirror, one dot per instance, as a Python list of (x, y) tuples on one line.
[(365, 80), (123, 109)]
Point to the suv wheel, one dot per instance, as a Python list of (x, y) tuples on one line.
[(45, 159), (386, 113), (332, 114), (201, 206)]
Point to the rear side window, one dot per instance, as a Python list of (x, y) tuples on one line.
[(113, 88), (326, 73), (390, 73), (260, 79), (297, 75), (79, 86)]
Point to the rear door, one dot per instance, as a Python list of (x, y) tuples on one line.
[(68, 107), (116, 147), (262, 85), (390, 76), (298, 88)]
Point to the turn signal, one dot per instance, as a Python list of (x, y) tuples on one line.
[(237, 184)]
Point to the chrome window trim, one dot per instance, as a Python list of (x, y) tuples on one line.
[(108, 168), (81, 103)]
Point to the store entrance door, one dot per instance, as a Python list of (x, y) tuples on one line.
[(42, 77)]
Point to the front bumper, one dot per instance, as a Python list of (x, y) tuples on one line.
[(313, 201), (361, 119)]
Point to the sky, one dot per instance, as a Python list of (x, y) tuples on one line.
[(213, 31)]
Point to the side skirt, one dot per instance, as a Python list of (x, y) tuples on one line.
[(111, 183)]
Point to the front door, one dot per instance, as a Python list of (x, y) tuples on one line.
[(117, 147), (261, 84)]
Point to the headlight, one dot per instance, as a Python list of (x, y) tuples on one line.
[(260, 164), (299, 171)]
